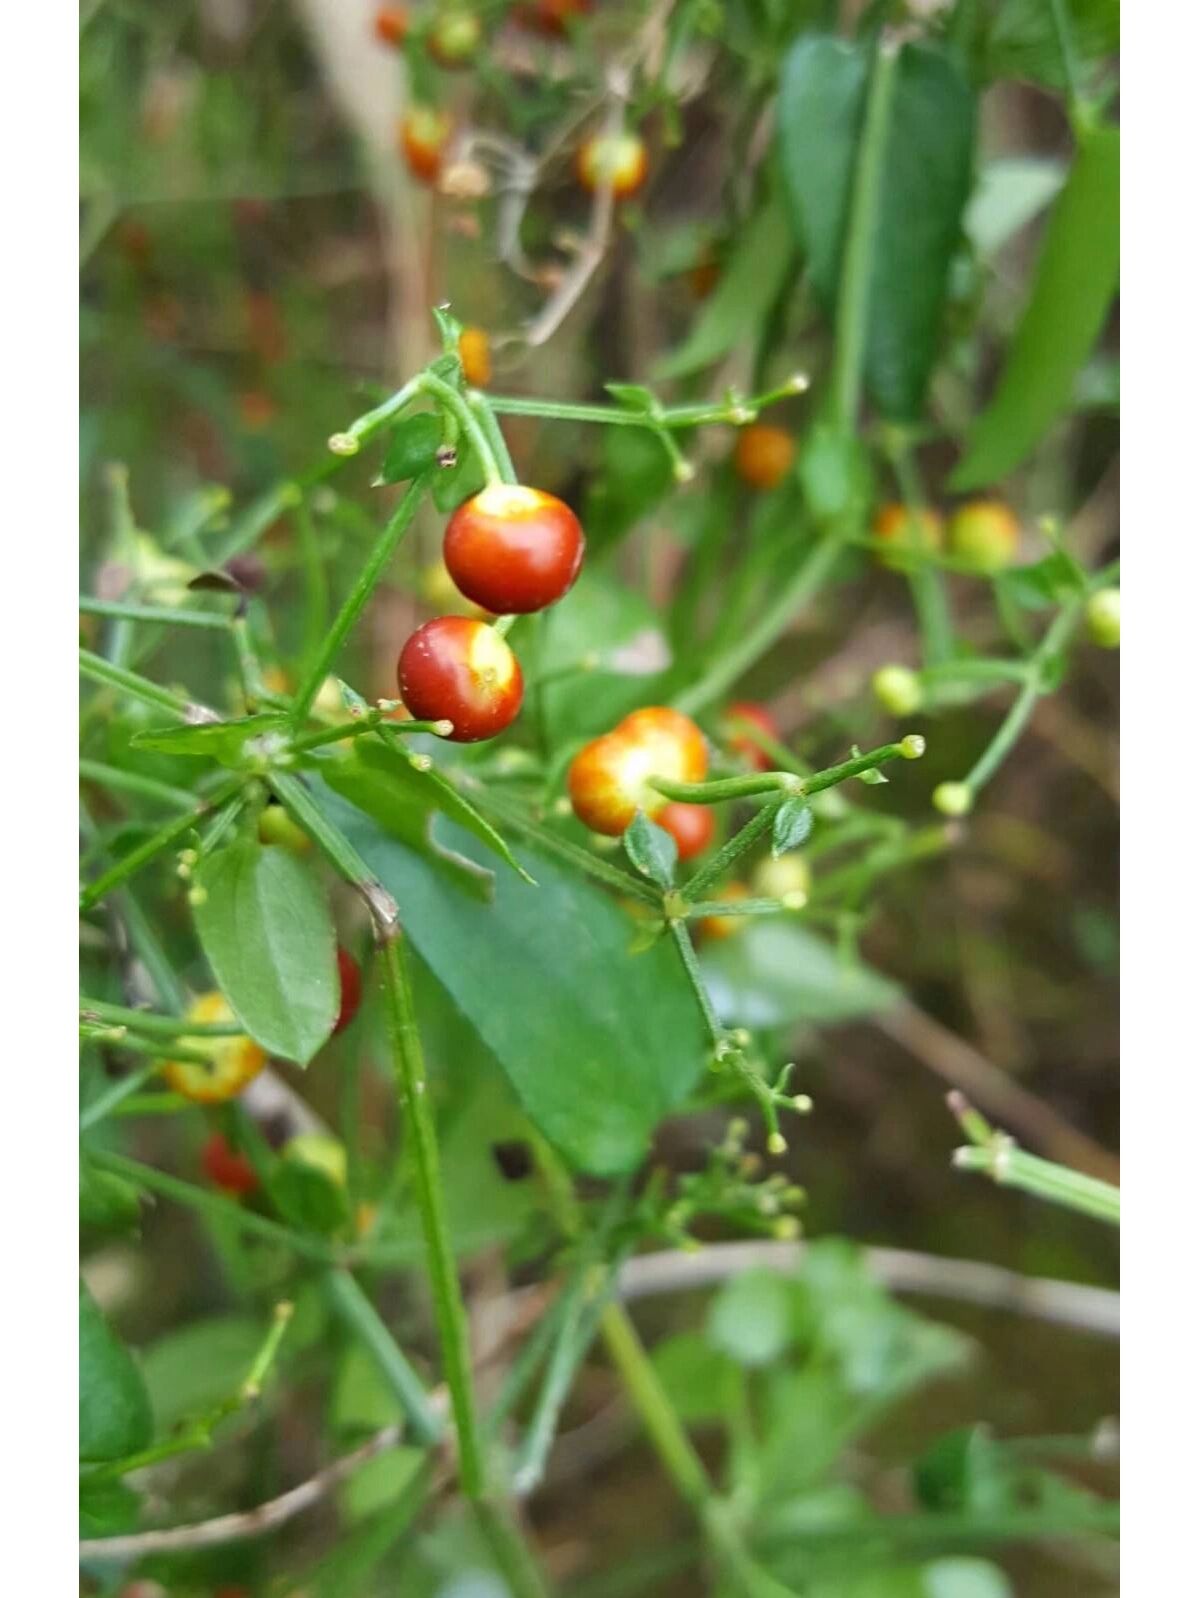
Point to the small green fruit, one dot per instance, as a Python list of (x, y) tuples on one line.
[(1103, 618), (953, 798)]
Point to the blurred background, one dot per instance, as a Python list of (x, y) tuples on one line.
[(257, 268)]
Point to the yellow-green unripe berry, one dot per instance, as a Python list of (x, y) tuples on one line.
[(788, 878), (985, 535), (953, 798), (276, 827), (897, 690), (1103, 618), (912, 747)]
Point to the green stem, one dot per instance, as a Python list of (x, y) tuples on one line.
[(107, 1102), (137, 686), (499, 445), (364, 724), (677, 1454), (133, 782), (870, 761), (1010, 1166), (770, 625), (316, 581), (737, 907), (509, 1550), (928, 590), (361, 1316), (1059, 11), (728, 855), (468, 420), (337, 849), (733, 412), (214, 1205), (853, 298), (162, 615), (449, 1309), (156, 843), (552, 843), (368, 578), (723, 788), (682, 938), (1016, 720)]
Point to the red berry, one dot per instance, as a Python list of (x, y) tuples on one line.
[(615, 158), (391, 25), (462, 671), (513, 550), (741, 742), (226, 1168), (763, 455), (351, 990), (691, 826), (550, 16)]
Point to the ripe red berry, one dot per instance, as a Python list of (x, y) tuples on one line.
[(351, 989), (615, 158), (608, 781), (423, 135), (740, 741), (462, 671), (391, 25), (763, 455), (513, 550), (226, 1168), (691, 826)]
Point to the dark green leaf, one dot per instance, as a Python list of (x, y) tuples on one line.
[(265, 928), (1022, 41), (596, 1063), (1072, 291), (412, 448), (106, 1201), (217, 740), (192, 1369), (792, 825), (925, 184), (306, 1197), (621, 630), (834, 472), (776, 972), (750, 1319), (106, 1508), (651, 849), (383, 781), (115, 1418), (636, 473), (752, 277)]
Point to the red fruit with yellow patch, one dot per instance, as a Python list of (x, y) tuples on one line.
[(513, 550), (616, 158), (691, 826), (461, 671), (350, 978), (609, 779), (424, 133)]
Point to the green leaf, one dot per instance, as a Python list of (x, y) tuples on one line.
[(106, 1508), (753, 275), (595, 1063), (652, 850), (265, 928), (776, 972), (412, 448), (750, 1319), (633, 396), (699, 1379), (404, 798), (835, 475), (621, 630), (306, 1197), (223, 741), (1072, 291), (115, 1418), (925, 183), (635, 474), (452, 484), (792, 825), (1022, 41), (106, 1201), (962, 1577), (191, 1370), (1045, 582)]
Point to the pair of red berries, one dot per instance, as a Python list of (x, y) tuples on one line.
[(512, 550)]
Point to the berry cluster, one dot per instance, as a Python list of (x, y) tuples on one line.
[(511, 550), (983, 534)]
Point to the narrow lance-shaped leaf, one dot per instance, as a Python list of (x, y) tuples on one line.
[(652, 850), (1072, 292), (265, 928), (115, 1419)]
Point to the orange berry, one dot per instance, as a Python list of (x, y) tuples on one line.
[(423, 135), (897, 526), (391, 25), (234, 1061), (615, 158), (608, 780), (763, 455), (474, 351), (691, 826)]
